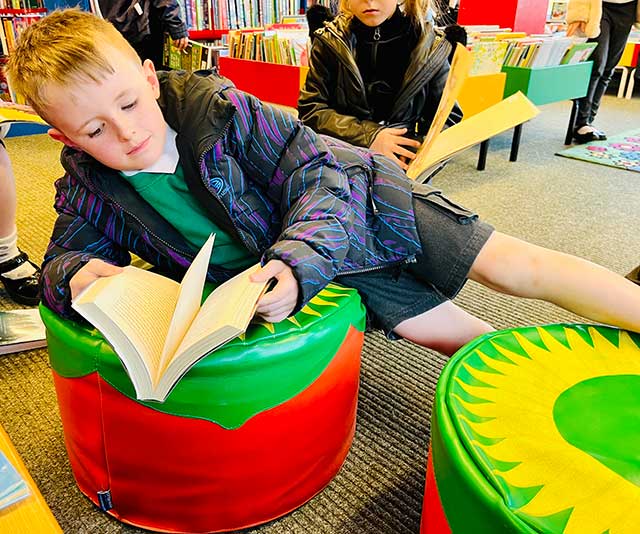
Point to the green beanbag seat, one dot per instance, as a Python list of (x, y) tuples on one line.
[(537, 430), (250, 433)]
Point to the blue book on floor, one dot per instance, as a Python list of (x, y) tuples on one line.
[(12, 486)]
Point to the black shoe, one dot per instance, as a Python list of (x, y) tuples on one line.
[(21, 290), (589, 137), (634, 275)]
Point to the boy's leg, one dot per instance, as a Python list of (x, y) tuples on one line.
[(518, 268), (444, 328)]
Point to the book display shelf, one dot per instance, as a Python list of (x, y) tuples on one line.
[(628, 64), (478, 93), (544, 85)]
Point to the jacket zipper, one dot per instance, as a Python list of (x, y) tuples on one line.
[(215, 196), (410, 259)]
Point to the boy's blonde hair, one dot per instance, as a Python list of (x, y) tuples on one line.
[(416, 10), (63, 48)]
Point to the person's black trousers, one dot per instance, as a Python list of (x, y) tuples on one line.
[(616, 23)]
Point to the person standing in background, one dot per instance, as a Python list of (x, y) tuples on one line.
[(608, 23), (144, 22), (20, 276)]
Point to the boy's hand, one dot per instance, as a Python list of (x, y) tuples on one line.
[(390, 142), (277, 304), (93, 270)]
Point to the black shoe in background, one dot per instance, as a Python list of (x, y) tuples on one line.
[(589, 137)]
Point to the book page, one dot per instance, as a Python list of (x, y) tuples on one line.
[(187, 305), (224, 315), (139, 304), (460, 68), (232, 303), (502, 116)]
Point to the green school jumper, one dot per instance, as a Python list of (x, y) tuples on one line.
[(168, 194)]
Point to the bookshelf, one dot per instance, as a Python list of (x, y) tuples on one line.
[(527, 16), (544, 85)]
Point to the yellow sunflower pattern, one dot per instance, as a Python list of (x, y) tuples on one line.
[(504, 408)]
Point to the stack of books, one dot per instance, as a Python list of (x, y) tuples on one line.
[(13, 487)]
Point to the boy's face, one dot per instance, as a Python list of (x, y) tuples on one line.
[(117, 121)]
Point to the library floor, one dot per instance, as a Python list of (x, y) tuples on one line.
[(577, 207)]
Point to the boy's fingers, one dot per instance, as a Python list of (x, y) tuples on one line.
[(396, 131), (408, 142), (102, 268), (404, 152), (270, 270)]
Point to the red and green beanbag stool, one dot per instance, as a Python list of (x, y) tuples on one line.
[(537, 430), (250, 433)]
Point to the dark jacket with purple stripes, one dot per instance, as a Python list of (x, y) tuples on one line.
[(320, 205)]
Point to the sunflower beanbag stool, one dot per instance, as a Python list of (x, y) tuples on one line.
[(250, 433), (537, 430)]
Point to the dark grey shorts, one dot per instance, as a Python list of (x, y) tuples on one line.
[(451, 238)]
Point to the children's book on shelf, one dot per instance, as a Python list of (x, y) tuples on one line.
[(439, 146), (488, 57), (558, 11), (578, 53), (158, 327), (13, 487), (21, 330)]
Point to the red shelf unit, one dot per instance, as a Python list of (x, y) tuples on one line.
[(36, 10), (520, 15), (206, 35)]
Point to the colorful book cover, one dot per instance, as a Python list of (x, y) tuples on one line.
[(488, 57)]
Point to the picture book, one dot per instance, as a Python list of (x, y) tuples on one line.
[(21, 330), (578, 53), (13, 487), (438, 145), (158, 328), (488, 57)]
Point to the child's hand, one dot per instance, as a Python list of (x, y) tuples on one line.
[(390, 142), (277, 304), (181, 44), (93, 270), (577, 27)]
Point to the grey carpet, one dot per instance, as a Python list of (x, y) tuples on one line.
[(574, 206)]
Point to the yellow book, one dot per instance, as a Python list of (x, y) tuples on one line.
[(438, 145), (500, 117)]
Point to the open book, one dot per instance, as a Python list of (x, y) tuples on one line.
[(158, 328), (438, 145)]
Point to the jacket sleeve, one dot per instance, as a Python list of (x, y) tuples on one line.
[(73, 243), (316, 107), (301, 182), (172, 23)]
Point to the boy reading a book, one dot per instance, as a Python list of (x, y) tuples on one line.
[(157, 161)]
